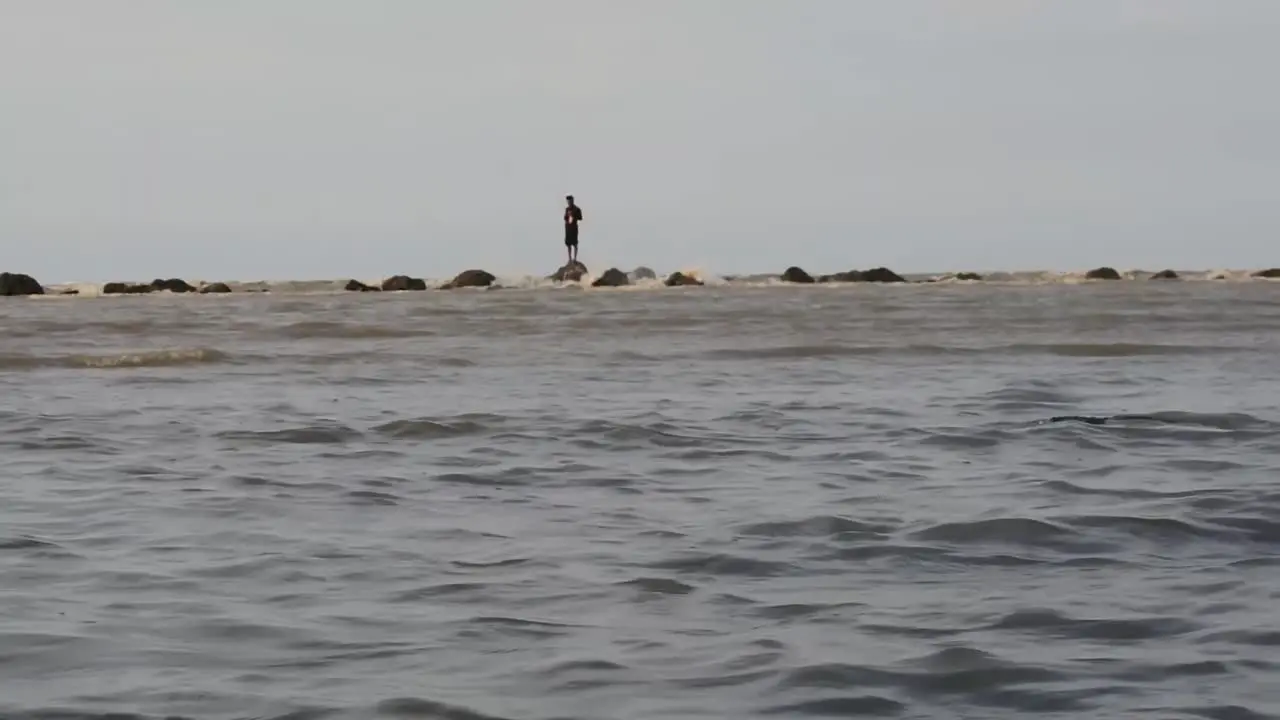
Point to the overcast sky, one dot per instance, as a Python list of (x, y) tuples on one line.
[(249, 139)]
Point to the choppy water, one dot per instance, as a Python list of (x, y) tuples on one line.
[(719, 502)]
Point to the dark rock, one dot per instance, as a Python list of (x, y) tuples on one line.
[(796, 275), (968, 276), (15, 284), (471, 278), (572, 272), (881, 275), (173, 285), (402, 283), (1165, 275), (643, 273), (1272, 273), (1102, 273), (357, 286), (613, 277), (72, 291), (677, 279), (119, 288), (217, 288)]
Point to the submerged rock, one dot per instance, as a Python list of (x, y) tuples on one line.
[(215, 288), (613, 277), (119, 288), (1271, 273), (173, 285), (794, 274), (470, 278), (16, 284), (882, 275), (403, 283), (1165, 275), (572, 272), (968, 276), (1102, 273), (357, 286), (643, 273), (677, 279)]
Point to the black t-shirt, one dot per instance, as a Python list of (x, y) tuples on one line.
[(572, 215)]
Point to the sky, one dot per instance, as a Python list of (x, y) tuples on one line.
[(293, 139)]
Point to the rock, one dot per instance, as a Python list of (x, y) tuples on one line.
[(470, 278), (882, 275), (401, 283), (173, 285), (1165, 275), (15, 284), (1102, 273), (968, 276), (677, 279), (119, 288), (71, 291), (357, 286), (613, 277), (643, 273), (572, 272), (1272, 273), (796, 275), (217, 288)]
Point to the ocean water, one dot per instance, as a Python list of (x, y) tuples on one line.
[(912, 501)]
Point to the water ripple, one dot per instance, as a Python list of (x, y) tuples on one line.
[(975, 500)]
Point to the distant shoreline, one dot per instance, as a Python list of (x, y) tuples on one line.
[(17, 284)]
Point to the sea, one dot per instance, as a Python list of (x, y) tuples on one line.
[(1029, 497)]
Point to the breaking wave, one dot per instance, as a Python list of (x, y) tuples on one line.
[(140, 359)]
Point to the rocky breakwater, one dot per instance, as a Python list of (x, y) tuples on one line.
[(17, 284), (572, 272), (679, 279), (172, 285), (470, 278), (797, 275), (395, 283), (613, 277), (403, 283), (1103, 273)]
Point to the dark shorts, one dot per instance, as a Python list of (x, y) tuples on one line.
[(570, 235)]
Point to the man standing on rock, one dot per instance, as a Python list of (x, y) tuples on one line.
[(572, 216)]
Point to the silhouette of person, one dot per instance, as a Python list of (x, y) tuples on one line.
[(572, 217)]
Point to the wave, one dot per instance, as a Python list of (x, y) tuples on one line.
[(645, 279), (1057, 349), (174, 357)]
